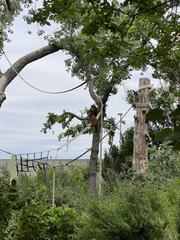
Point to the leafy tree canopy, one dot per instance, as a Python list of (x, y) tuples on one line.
[(113, 38), (8, 10), (135, 32)]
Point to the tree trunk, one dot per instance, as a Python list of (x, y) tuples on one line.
[(141, 136), (92, 173)]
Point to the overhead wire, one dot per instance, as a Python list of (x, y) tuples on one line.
[(38, 89), (89, 149), (71, 140), (9, 153), (57, 149)]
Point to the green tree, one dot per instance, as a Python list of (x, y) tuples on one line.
[(106, 40), (120, 159), (8, 11), (163, 117)]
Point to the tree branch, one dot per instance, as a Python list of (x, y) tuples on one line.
[(91, 86), (75, 116), (10, 74)]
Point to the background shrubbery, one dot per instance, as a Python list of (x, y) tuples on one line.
[(131, 206)]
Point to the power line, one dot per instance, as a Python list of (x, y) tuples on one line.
[(89, 149), (62, 146), (38, 89), (82, 154), (2, 150), (67, 143)]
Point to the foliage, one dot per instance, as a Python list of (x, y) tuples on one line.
[(165, 101), (139, 207), (27, 223), (7, 15), (120, 159), (112, 29), (164, 164), (171, 133), (163, 117), (132, 211), (106, 40), (71, 187), (8, 197), (34, 218), (36, 221), (114, 37)]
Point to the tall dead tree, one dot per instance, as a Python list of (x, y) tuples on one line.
[(141, 136)]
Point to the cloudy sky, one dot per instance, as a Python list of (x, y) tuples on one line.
[(24, 111)]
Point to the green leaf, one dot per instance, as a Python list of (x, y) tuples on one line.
[(155, 115), (163, 133)]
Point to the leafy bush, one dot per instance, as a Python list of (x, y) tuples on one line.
[(133, 211), (138, 207), (70, 189), (61, 222), (164, 164), (8, 197), (37, 222)]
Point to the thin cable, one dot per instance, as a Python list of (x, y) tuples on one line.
[(56, 149), (71, 140), (38, 89), (2, 150), (89, 149)]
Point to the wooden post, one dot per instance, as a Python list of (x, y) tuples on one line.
[(53, 189), (12, 167), (141, 136)]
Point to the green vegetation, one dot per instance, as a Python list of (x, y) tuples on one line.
[(138, 207), (8, 11), (105, 41)]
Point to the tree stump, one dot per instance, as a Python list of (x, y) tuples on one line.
[(141, 136)]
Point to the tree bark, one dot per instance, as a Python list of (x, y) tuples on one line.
[(141, 137), (92, 173), (12, 72)]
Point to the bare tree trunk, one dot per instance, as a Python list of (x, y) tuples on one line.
[(11, 73), (92, 173), (141, 136)]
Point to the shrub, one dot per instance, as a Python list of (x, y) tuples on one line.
[(134, 212), (37, 222)]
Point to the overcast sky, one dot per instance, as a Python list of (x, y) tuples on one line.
[(24, 111)]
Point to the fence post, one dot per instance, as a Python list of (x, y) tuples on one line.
[(12, 167), (53, 188), (141, 137)]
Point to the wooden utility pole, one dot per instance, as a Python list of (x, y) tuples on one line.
[(141, 136)]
